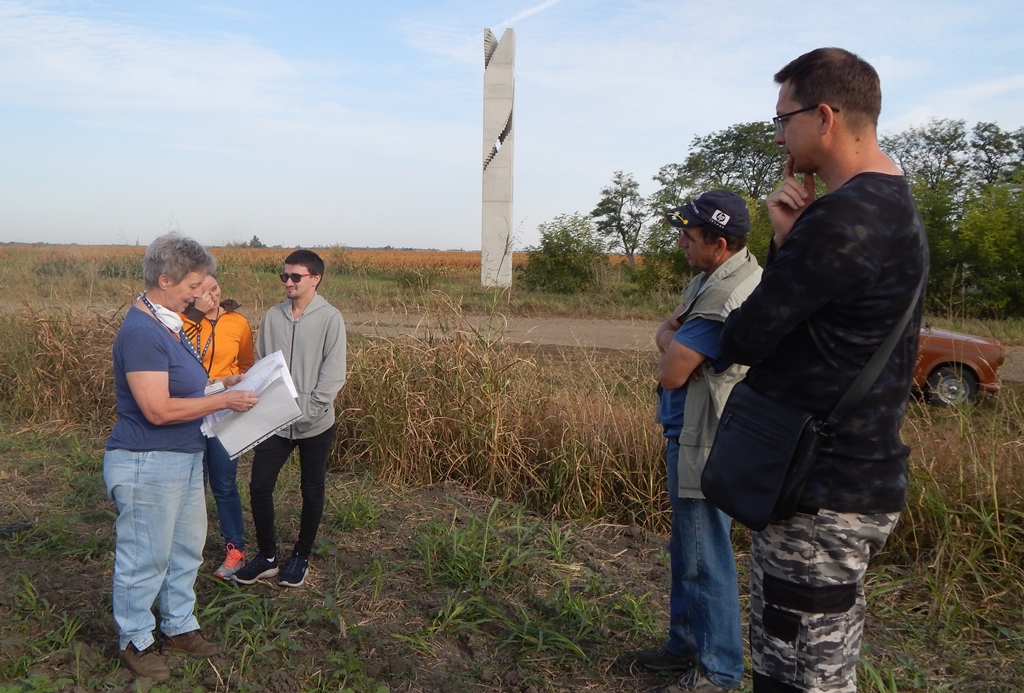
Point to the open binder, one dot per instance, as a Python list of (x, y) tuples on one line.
[(240, 432)]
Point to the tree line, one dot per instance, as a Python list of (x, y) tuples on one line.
[(967, 183)]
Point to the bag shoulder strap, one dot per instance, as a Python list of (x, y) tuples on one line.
[(858, 390)]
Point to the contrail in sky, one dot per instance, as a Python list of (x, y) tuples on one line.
[(530, 11)]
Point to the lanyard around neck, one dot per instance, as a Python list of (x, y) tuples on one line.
[(182, 337), (209, 340)]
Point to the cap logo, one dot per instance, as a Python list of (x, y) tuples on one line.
[(678, 217), (720, 218)]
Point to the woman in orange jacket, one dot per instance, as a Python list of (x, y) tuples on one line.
[(224, 340)]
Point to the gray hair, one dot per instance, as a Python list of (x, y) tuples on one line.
[(175, 256)]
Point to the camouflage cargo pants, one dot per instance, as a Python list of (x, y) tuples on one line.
[(807, 599)]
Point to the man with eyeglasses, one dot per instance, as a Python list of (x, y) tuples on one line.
[(841, 273), (311, 334)]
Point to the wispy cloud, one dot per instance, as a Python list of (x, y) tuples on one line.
[(222, 94), (235, 13), (529, 12), (460, 40), (975, 101), (990, 88), (68, 61), (451, 40)]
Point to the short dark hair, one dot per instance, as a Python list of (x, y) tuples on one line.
[(308, 259), (839, 78), (175, 256), (711, 235)]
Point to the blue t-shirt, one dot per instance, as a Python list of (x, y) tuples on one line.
[(144, 344), (701, 335)]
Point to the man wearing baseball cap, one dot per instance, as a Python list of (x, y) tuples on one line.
[(704, 642)]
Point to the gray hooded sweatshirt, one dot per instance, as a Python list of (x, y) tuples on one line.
[(314, 349)]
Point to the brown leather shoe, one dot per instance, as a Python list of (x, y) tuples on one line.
[(146, 664), (190, 643)]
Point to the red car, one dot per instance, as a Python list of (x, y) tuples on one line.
[(953, 368)]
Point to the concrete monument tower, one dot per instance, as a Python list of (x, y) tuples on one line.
[(499, 94)]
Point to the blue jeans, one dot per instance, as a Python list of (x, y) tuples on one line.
[(704, 605), (161, 529), (222, 471)]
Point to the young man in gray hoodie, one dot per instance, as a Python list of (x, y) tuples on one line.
[(311, 334)]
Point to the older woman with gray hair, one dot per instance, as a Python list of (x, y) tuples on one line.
[(153, 465)]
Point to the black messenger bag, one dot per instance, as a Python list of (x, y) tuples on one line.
[(761, 457)]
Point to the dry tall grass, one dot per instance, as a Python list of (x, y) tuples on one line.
[(963, 530), (58, 259), (56, 369), (521, 424), (573, 438)]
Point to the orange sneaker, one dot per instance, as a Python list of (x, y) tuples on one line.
[(234, 560)]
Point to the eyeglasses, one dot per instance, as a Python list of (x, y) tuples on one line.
[(686, 234), (294, 276), (780, 120)]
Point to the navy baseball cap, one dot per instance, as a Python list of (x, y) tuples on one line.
[(721, 209)]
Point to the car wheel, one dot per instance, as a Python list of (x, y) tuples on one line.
[(951, 386)]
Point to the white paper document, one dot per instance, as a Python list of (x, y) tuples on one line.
[(239, 432)]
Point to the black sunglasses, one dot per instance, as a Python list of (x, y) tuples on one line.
[(294, 276)]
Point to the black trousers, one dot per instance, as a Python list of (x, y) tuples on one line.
[(270, 457)]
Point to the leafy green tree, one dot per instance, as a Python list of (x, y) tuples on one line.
[(761, 230), (934, 155), (951, 171), (992, 252), (622, 214), (567, 258), (256, 243), (664, 266), (997, 155), (742, 158), (967, 183), (936, 161), (676, 185)]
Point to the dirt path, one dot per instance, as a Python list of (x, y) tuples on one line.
[(625, 335), (602, 334)]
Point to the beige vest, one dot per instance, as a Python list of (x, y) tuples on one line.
[(725, 289)]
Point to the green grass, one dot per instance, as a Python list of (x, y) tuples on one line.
[(416, 574), (404, 578), (473, 554)]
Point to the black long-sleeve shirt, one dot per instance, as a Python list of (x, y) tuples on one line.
[(828, 298)]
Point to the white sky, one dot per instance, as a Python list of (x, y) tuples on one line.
[(314, 123)]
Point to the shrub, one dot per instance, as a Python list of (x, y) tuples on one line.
[(122, 268), (58, 268), (664, 266), (566, 260)]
